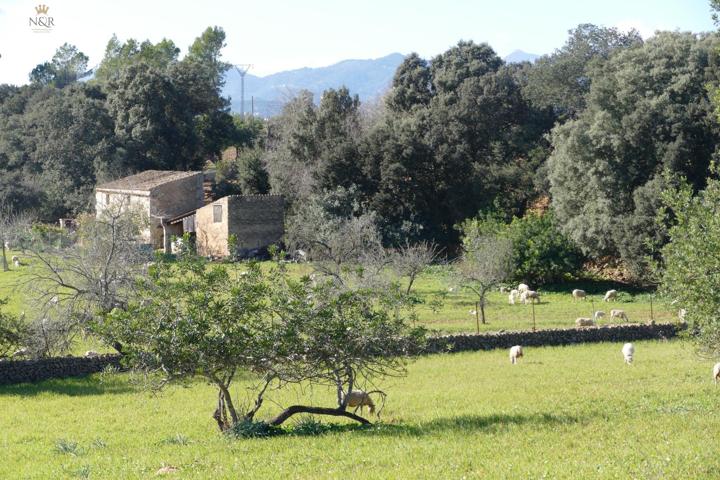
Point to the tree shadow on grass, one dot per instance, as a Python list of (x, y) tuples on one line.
[(461, 424), (71, 387)]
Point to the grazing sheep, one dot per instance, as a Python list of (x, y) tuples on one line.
[(584, 322), (360, 399), (513, 296), (578, 294), (619, 314), (473, 312), (532, 295), (610, 295), (91, 354), (628, 352), (681, 314), (515, 353), (54, 300), (598, 315), (716, 372), (15, 258), (16, 263), (523, 288)]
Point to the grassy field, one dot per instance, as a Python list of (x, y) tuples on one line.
[(557, 309), (564, 412)]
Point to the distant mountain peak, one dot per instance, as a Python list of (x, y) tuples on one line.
[(518, 56), (368, 78)]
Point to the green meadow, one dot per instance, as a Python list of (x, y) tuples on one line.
[(562, 412)]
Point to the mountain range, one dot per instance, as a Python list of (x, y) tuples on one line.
[(369, 79)]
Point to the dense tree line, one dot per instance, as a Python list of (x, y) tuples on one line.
[(143, 108), (591, 127)]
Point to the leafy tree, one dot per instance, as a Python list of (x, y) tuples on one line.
[(690, 259), (411, 85), (120, 55), (648, 111), (539, 250), (461, 62), (66, 67), (562, 79), (153, 121), (13, 226)]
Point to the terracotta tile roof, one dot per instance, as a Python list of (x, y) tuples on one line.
[(146, 180)]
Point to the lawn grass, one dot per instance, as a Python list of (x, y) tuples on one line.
[(563, 412), (557, 309)]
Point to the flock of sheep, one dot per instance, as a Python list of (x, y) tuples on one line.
[(628, 352), (523, 294)]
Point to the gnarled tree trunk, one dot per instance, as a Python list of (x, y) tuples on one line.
[(336, 412)]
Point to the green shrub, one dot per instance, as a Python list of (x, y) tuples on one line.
[(541, 253)]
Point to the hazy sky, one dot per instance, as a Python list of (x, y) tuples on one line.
[(276, 35)]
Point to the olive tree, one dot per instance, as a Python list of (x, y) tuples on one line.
[(13, 331), (192, 319)]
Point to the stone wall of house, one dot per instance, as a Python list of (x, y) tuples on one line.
[(211, 238), (178, 196), (137, 201), (609, 333), (21, 371), (256, 220)]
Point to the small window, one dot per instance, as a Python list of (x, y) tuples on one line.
[(217, 213)]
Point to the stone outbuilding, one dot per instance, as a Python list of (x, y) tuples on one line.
[(256, 221), (168, 198)]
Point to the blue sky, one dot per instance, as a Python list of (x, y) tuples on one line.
[(276, 35)]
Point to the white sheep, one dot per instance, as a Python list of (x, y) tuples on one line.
[(610, 295), (473, 312), (523, 288), (360, 399), (619, 314), (16, 263), (716, 373), (584, 322), (578, 294), (532, 295), (515, 353), (91, 354), (598, 315), (513, 296), (54, 300), (628, 352)]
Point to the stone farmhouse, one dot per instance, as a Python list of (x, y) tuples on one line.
[(177, 202)]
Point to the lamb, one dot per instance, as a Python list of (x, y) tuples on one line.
[(628, 351), (91, 354), (523, 288), (515, 353), (584, 322), (716, 373), (513, 296), (610, 295), (530, 294), (360, 399), (619, 314), (578, 294), (598, 315)]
